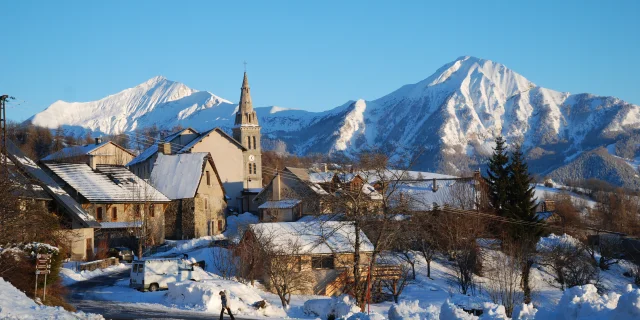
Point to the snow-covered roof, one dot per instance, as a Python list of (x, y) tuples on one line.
[(178, 175), (144, 155), (72, 207), (321, 177), (206, 134), (280, 204), (315, 237), (120, 224), (108, 184), (74, 151)]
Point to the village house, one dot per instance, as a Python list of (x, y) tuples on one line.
[(192, 183), (323, 249), (76, 223), (100, 152), (127, 207), (291, 195), (238, 158)]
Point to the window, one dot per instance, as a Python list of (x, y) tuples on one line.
[(99, 214), (114, 214), (248, 142), (255, 169), (152, 211), (322, 262), (220, 225), (208, 178), (138, 211), (254, 142), (205, 203), (249, 168)]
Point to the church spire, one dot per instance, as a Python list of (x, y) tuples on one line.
[(246, 115)]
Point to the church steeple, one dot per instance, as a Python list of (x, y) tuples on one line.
[(246, 115), (247, 132)]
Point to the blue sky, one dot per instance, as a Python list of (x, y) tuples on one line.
[(312, 55)]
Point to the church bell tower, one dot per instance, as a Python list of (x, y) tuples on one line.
[(246, 130)]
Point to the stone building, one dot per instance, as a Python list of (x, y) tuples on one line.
[(238, 158), (192, 183)]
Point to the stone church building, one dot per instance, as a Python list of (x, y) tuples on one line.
[(238, 158)]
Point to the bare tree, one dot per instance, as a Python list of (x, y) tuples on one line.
[(224, 261), (569, 262), (504, 275), (609, 247)]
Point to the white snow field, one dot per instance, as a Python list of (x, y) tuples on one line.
[(424, 298), (14, 304)]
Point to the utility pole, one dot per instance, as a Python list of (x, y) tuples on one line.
[(3, 127)]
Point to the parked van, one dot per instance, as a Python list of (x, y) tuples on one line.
[(155, 274)]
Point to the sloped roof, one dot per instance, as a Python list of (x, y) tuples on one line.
[(153, 149), (71, 206), (206, 134), (423, 197), (314, 237), (74, 151), (108, 184), (25, 188), (178, 175), (280, 204), (120, 224)]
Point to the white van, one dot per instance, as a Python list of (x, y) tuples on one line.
[(154, 274)]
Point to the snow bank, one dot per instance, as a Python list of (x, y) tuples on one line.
[(14, 304), (548, 244), (584, 302), (524, 312), (450, 311), (340, 307), (411, 310), (69, 276), (236, 225), (205, 296)]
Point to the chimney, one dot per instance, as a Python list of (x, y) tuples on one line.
[(98, 140), (434, 185), (276, 187), (476, 175), (325, 167), (164, 147), (92, 161)]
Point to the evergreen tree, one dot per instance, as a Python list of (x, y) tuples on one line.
[(521, 205), (498, 177), (521, 201)]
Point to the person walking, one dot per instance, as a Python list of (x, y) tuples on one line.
[(225, 305)]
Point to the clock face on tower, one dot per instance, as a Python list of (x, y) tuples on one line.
[(252, 158)]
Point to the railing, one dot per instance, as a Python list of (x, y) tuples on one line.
[(379, 272)]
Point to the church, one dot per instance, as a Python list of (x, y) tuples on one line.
[(237, 158)]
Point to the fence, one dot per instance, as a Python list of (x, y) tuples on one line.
[(99, 264)]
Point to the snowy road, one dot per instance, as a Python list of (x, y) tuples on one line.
[(81, 297)]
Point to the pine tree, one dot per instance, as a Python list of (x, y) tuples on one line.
[(521, 206), (498, 177)]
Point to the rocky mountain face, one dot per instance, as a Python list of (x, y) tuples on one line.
[(449, 120)]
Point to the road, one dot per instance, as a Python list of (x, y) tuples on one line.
[(80, 296)]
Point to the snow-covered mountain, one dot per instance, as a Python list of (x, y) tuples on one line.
[(458, 110)]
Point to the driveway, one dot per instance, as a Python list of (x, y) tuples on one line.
[(80, 296)]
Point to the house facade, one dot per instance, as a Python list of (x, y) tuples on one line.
[(127, 208), (100, 152), (290, 195), (197, 197), (324, 250)]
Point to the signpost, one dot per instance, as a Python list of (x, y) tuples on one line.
[(43, 266)]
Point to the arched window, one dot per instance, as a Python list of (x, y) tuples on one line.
[(248, 142), (254, 142)]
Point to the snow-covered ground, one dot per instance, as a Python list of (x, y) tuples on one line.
[(423, 298), (70, 276), (14, 304)]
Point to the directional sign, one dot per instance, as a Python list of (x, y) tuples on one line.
[(43, 271), (43, 256), (40, 261), (43, 266)]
